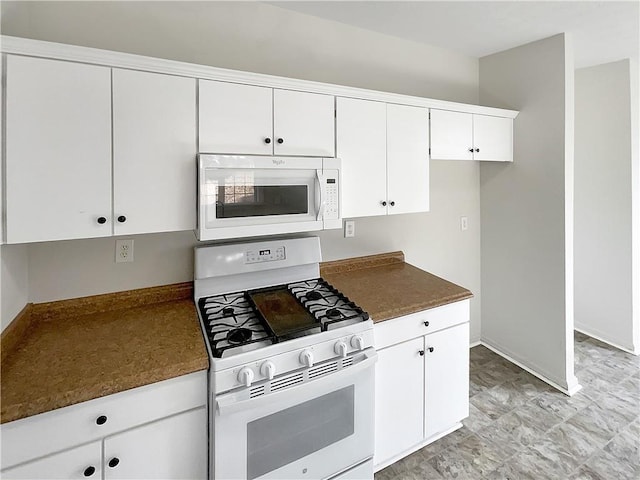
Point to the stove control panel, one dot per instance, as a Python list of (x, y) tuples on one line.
[(264, 255), (300, 353)]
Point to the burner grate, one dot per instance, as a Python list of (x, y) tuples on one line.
[(232, 325), (327, 304)]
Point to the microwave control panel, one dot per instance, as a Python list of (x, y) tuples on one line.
[(331, 211), (264, 255)]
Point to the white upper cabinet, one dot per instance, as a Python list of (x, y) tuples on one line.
[(362, 147), (58, 150), (235, 118), (466, 136), (385, 157), (451, 135), (303, 124), (154, 149), (493, 138), (407, 159), (246, 119)]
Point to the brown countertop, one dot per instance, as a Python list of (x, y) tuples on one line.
[(61, 353), (387, 287)]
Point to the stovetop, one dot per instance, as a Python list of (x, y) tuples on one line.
[(245, 321)]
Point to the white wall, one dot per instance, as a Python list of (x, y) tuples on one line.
[(266, 39), (603, 204), (14, 282), (526, 210), (635, 200)]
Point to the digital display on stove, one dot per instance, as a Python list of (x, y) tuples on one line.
[(264, 255)]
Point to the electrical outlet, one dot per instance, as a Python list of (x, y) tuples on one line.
[(464, 223), (124, 251), (349, 228)]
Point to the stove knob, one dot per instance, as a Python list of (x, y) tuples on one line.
[(306, 358), (357, 342), (268, 369), (340, 348), (245, 376)]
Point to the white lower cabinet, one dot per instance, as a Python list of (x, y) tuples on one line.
[(399, 399), (422, 379), (151, 432), (78, 463), (169, 449), (446, 368)]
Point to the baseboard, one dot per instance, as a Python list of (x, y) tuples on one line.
[(475, 344), (570, 390), (598, 336)]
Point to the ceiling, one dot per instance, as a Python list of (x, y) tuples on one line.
[(603, 31)]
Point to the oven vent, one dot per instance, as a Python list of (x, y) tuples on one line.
[(256, 391), (323, 370), (288, 381), (347, 362)]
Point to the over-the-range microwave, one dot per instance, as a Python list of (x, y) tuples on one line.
[(250, 195)]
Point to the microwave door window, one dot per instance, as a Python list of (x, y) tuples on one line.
[(246, 199)]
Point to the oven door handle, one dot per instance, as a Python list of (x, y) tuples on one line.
[(320, 194), (229, 403)]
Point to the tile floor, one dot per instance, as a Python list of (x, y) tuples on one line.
[(519, 428)]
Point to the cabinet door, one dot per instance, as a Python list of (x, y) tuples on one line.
[(492, 138), (451, 135), (154, 151), (78, 463), (362, 146), (234, 118), (58, 150), (446, 378), (171, 448), (399, 399), (304, 122), (407, 159)]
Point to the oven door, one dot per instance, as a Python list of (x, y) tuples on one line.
[(258, 196), (310, 430)]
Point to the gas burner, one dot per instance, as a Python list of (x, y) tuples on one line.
[(239, 335), (330, 307), (232, 325), (313, 295)]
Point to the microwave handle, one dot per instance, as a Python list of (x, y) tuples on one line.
[(320, 194), (229, 403)]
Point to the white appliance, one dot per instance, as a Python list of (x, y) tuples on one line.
[(291, 365), (249, 195)]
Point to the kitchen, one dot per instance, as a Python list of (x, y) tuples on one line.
[(433, 241)]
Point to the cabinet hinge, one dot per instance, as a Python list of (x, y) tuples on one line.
[(429, 114), (429, 150)]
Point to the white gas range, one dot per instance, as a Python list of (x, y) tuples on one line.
[(291, 377)]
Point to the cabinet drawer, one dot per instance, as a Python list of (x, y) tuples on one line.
[(415, 325), (66, 427)]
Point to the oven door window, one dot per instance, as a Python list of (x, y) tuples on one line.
[(288, 435), (232, 197)]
